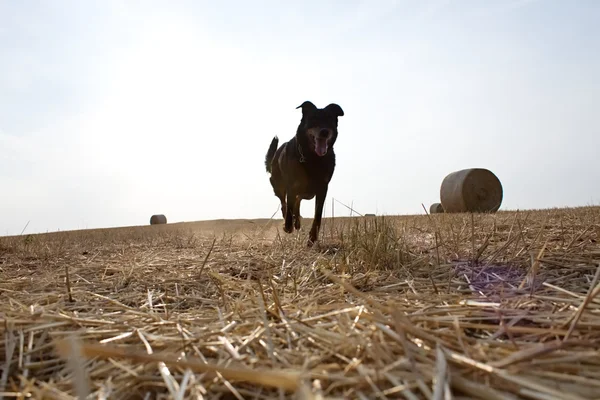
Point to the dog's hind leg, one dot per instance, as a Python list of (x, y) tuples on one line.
[(279, 190), (283, 207), (316, 225)]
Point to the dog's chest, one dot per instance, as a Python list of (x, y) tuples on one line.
[(309, 180), (318, 171)]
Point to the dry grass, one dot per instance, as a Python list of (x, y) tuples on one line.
[(499, 306)]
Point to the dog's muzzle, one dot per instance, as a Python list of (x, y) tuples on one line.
[(320, 141)]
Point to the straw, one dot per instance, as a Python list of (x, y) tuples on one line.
[(487, 306)]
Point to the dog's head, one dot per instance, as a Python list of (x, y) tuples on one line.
[(319, 126)]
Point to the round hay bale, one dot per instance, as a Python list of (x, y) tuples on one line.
[(369, 215), (471, 190), (436, 208), (158, 219)]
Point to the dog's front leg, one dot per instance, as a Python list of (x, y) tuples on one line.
[(289, 215), (316, 225), (297, 217)]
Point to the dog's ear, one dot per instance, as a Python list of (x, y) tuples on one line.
[(335, 110), (307, 107)]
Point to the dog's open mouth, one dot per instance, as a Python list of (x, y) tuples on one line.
[(320, 146)]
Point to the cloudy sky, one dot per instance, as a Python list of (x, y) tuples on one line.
[(111, 111)]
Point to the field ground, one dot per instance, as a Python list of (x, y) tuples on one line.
[(499, 306)]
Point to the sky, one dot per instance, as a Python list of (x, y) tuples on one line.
[(111, 111)]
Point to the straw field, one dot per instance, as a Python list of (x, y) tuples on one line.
[(486, 306)]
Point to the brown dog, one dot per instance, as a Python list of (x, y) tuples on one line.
[(302, 168)]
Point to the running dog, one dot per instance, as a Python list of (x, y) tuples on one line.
[(303, 167)]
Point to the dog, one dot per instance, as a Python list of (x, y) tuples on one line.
[(302, 168)]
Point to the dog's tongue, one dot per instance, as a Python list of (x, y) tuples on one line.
[(321, 147)]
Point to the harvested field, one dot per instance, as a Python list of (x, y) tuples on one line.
[(488, 306)]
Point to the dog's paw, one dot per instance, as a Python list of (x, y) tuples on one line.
[(310, 243), (312, 239)]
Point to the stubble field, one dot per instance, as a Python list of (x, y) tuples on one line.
[(500, 306)]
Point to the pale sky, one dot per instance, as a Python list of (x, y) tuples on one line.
[(111, 111)]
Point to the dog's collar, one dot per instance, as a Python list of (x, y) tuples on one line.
[(302, 159)]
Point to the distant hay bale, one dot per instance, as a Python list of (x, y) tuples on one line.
[(158, 219), (436, 208), (369, 215), (471, 190)]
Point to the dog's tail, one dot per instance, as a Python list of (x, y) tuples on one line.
[(271, 153)]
